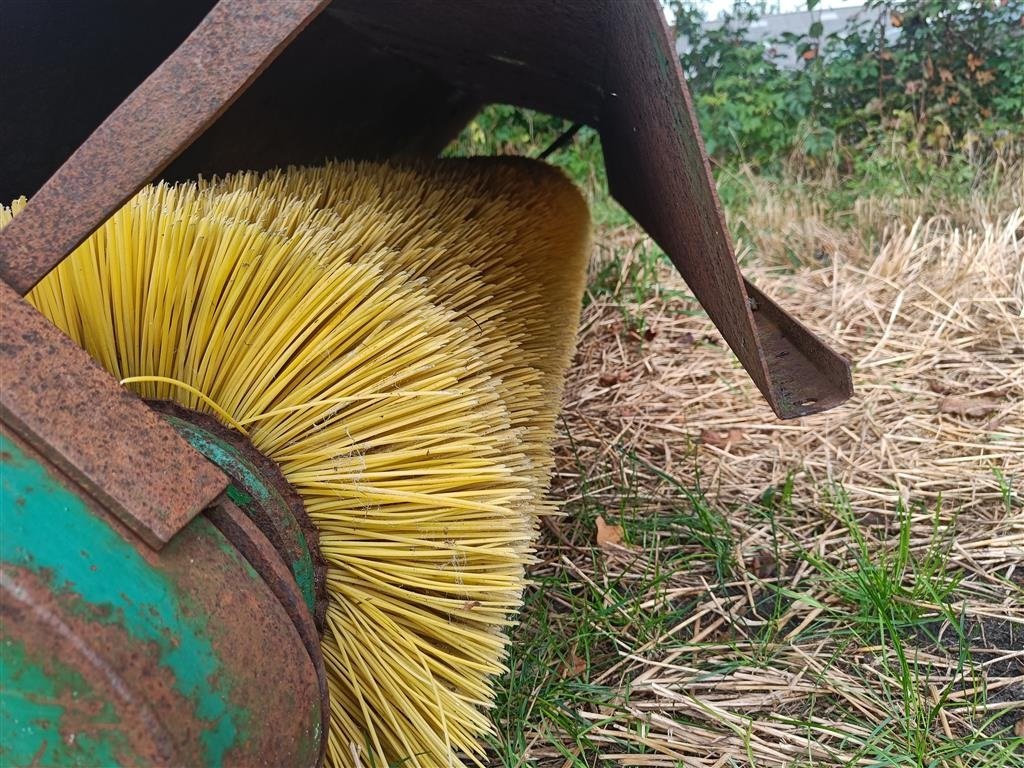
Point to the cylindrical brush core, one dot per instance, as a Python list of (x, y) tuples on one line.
[(260, 490)]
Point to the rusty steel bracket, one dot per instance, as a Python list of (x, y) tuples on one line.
[(659, 171), (612, 65), (174, 105), (100, 434)]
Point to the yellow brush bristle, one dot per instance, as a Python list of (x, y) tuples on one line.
[(501, 241), (395, 338)]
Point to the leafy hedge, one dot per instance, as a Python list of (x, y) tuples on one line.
[(953, 79)]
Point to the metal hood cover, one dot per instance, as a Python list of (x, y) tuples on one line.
[(387, 77)]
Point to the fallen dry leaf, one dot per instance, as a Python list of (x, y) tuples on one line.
[(610, 379), (723, 438), (574, 666), (764, 565), (608, 536), (1018, 728), (968, 406)]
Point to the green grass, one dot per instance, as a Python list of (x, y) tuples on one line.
[(882, 590)]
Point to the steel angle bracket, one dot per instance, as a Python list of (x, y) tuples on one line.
[(611, 64), (659, 172)]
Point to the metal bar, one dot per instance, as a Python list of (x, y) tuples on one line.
[(102, 436), (659, 171), (184, 95)]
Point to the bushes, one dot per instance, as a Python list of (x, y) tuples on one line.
[(951, 79)]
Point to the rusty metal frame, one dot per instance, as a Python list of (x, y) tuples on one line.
[(611, 65), (659, 171), (60, 400)]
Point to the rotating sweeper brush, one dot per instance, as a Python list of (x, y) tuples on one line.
[(270, 489), (394, 340)]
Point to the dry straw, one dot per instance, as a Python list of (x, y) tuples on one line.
[(933, 321), (932, 317)]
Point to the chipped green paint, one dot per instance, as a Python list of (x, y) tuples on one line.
[(49, 530), (33, 702), (247, 488)]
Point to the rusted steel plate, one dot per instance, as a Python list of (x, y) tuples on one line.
[(96, 431), (226, 52), (533, 53), (658, 170), (121, 655)]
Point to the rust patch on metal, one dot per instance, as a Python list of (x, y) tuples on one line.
[(185, 94), (158, 724), (96, 431), (266, 669), (806, 376), (263, 557), (272, 674)]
